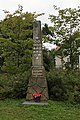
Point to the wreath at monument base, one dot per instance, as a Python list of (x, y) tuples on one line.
[(37, 97)]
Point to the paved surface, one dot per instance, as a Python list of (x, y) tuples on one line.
[(34, 103)]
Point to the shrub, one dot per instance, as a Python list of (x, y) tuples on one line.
[(64, 85), (13, 86)]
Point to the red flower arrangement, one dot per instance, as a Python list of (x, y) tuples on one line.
[(37, 96)]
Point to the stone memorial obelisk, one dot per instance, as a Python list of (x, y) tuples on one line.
[(37, 82)]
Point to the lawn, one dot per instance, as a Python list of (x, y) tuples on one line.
[(14, 110)]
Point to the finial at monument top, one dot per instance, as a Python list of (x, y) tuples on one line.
[(37, 31), (37, 23)]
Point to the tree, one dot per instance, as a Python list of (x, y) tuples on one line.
[(66, 28), (48, 55), (16, 41)]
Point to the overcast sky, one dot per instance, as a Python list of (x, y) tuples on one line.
[(38, 6)]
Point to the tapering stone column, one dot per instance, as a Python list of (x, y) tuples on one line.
[(37, 82)]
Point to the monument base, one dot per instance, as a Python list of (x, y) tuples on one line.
[(34, 103), (37, 85)]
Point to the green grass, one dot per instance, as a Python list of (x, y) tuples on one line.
[(14, 110)]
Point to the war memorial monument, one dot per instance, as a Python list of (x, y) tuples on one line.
[(37, 85)]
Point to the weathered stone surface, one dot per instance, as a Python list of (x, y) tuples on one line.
[(37, 82)]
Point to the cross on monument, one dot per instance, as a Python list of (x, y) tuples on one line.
[(37, 82)]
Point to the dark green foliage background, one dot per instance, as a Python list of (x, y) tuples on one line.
[(64, 85), (15, 53), (14, 86)]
